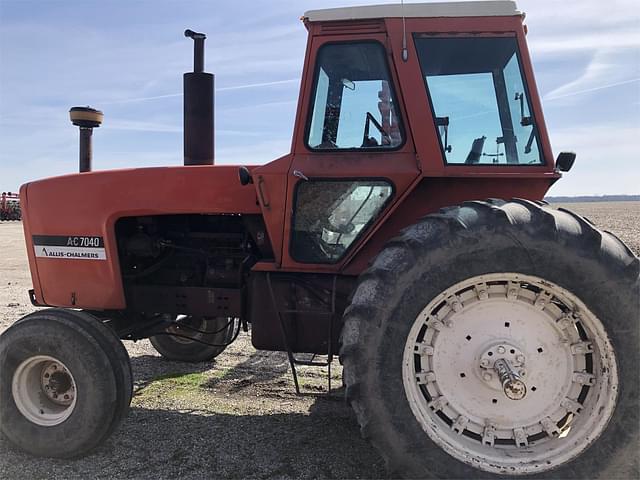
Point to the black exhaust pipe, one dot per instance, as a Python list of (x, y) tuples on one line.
[(198, 107)]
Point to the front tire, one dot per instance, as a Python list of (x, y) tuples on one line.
[(66, 383), (543, 290)]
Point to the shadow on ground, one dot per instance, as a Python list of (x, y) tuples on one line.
[(318, 445), (320, 439)]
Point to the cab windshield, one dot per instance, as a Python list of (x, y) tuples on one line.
[(479, 100)]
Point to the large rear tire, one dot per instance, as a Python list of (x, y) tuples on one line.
[(66, 383), (543, 291), (190, 344)]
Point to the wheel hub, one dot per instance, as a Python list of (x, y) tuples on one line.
[(57, 383), (44, 390), (504, 372), (502, 367)]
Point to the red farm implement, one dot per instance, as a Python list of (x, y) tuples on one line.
[(10, 206)]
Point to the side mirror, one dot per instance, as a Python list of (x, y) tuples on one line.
[(565, 161), (245, 176)]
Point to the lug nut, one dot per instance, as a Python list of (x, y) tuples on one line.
[(520, 358), (501, 349), (487, 377), (522, 372), (484, 363)]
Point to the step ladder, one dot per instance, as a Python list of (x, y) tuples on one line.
[(286, 337)]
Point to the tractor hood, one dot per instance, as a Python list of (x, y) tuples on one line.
[(79, 208)]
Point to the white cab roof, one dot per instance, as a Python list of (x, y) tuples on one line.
[(496, 8)]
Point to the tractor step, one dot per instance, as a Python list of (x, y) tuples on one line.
[(286, 337)]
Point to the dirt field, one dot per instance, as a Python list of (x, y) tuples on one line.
[(237, 417)]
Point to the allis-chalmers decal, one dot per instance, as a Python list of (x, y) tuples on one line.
[(69, 247)]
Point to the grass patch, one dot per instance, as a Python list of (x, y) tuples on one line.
[(179, 385)]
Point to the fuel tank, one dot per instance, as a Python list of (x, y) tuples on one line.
[(69, 223)]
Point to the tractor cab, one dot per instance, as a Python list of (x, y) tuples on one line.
[(395, 101)]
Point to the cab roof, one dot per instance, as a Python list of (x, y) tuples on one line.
[(495, 8)]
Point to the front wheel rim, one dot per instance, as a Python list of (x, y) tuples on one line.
[(44, 390), (510, 373)]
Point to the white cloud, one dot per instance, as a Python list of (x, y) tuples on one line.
[(258, 85), (608, 68), (584, 41), (605, 162), (557, 94), (138, 126), (217, 89), (254, 154)]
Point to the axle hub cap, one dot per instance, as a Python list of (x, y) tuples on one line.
[(514, 388)]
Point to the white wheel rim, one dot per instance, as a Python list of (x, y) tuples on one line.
[(44, 390), (547, 336)]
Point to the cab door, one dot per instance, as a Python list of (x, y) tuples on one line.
[(353, 156)]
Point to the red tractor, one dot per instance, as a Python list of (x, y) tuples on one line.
[(479, 336), (9, 206)]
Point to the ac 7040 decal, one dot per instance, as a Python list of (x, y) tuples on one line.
[(69, 247)]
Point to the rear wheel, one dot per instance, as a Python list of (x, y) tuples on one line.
[(66, 383), (498, 338), (195, 339)]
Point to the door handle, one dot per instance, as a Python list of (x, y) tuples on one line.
[(261, 190), (300, 175)]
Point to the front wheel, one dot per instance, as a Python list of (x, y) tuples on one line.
[(498, 338), (195, 339), (65, 383)]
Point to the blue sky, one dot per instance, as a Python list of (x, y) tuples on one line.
[(127, 59)]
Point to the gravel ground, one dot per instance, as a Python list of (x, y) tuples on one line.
[(237, 417)]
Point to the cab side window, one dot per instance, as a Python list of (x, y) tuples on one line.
[(354, 103)]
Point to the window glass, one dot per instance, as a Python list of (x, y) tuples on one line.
[(317, 118), (479, 100), (354, 105), (330, 215)]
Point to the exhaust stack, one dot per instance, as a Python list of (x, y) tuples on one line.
[(86, 118), (198, 107)]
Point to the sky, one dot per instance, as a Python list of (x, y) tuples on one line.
[(127, 59)]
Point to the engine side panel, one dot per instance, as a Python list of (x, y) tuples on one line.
[(77, 209), (189, 264)]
